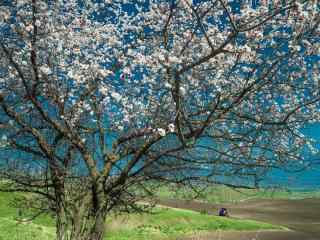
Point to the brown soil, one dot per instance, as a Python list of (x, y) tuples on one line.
[(302, 217)]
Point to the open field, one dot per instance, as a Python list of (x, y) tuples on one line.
[(163, 223), (194, 220), (171, 223), (300, 216), (223, 194)]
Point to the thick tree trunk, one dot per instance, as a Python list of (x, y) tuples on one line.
[(99, 228), (86, 221), (61, 226), (86, 228)]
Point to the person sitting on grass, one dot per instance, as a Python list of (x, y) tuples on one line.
[(223, 212)]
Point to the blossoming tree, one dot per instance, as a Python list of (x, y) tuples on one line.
[(99, 98)]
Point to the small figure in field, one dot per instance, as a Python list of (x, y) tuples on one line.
[(223, 212)]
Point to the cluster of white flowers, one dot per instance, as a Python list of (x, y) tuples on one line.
[(4, 141), (171, 127), (45, 69), (161, 132), (130, 66), (4, 14), (116, 96)]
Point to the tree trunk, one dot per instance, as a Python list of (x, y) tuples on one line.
[(85, 221), (61, 226), (83, 228), (98, 229)]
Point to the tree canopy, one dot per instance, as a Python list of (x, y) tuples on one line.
[(99, 97)]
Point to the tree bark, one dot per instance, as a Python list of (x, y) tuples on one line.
[(61, 225), (85, 221), (86, 228), (98, 229)]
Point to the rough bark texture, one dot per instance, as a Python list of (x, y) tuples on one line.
[(85, 220), (81, 228)]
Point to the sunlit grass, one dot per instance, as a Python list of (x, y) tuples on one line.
[(162, 224), (169, 223), (15, 230)]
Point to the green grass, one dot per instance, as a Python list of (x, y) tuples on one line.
[(41, 228), (169, 223), (223, 194), (161, 224), (11, 229)]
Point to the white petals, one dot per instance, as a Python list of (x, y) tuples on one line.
[(171, 127), (126, 70), (29, 28), (4, 138), (21, 3), (70, 74), (121, 62), (104, 73), (131, 52), (168, 85), (161, 57), (38, 23), (174, 60), (182, 91), (116, 96), (104, 90), (161, 132), (42, 5), (45, 70), (4, 14), (4, 141)]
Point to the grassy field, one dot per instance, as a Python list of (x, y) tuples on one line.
[(169, 223), (162, 224), (10, 228), (223, 194)]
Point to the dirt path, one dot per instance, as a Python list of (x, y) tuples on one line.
[(302, 217)]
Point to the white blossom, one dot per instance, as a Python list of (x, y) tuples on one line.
[(161, 132), (182, 91), (174, 59), (161, 57), (105, 72), (4, 14), (116, 96), (4, 138), (38, 23), (171, 127), (124, 66), (29, 28), (168, 85), (104, 90), (45, 69)]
